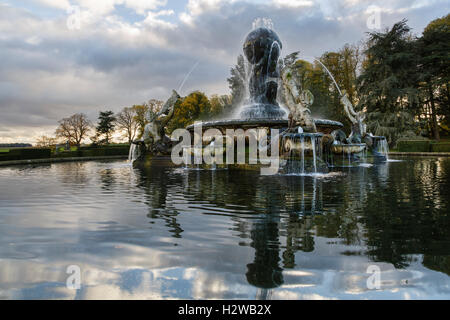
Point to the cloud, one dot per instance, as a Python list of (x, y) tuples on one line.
[(128, 51), (293, 3)]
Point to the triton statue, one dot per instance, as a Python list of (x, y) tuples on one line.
[(298, 101), (357, 119), (155, 139)]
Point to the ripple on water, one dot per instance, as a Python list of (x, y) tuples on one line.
[(224, 233)]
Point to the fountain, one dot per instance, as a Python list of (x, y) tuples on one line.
[(305, 145), (262, 49)]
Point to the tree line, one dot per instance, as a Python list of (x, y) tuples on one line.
[(130, 122)]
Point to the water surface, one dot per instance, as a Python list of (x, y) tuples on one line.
[(202, 234)]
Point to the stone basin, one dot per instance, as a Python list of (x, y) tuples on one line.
[(292, 142), (348, 148), (323, 125)]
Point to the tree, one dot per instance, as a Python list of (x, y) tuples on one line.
[(433, 49), (74, 129), (195, 106), (343, 65), (155, 106), (106, 124), (220, 105), (387, 86), (237, 82), (140, 117), (44, 142), (314, 78), (126, 121)]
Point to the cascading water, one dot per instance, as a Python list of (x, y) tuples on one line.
[(383, 148), (313, 144), (262, 23), (303, 153), (331, 76), (133, 153), (186, 156), (302, 139), (262, 50)]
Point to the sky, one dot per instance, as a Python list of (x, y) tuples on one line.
[(61, 57)]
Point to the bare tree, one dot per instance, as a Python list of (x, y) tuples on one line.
[(126, 121), (75, 128), (155, 106), (44, 141)]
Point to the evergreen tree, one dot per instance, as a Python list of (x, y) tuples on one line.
[(387, 86), (433, 49), (106, 125), (237, 82)]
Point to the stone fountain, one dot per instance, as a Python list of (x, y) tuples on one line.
[(305, 143), (301, 138)]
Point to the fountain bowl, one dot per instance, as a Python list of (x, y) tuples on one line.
[(323, 125), (291, 142), (348, 148)]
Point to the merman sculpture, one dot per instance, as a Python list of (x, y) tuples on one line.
[(356, 118), (154, 140), (298, 101)]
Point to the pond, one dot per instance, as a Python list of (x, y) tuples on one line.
[(173, 233)]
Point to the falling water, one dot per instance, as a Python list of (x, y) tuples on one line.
[(188, 75), (133, 153), (296, 163), (332, 78), (263, 23), (384, 148), (313, 144), (186, 157), (302, 140), (275, 43)]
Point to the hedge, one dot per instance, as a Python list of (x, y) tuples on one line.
[(96, 147), (440, 147), (25, 154), (414, 146), (95, 152), (103, 152), (422, 146), (30, 154)]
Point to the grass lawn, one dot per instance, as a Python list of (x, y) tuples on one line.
[(4, 150)]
